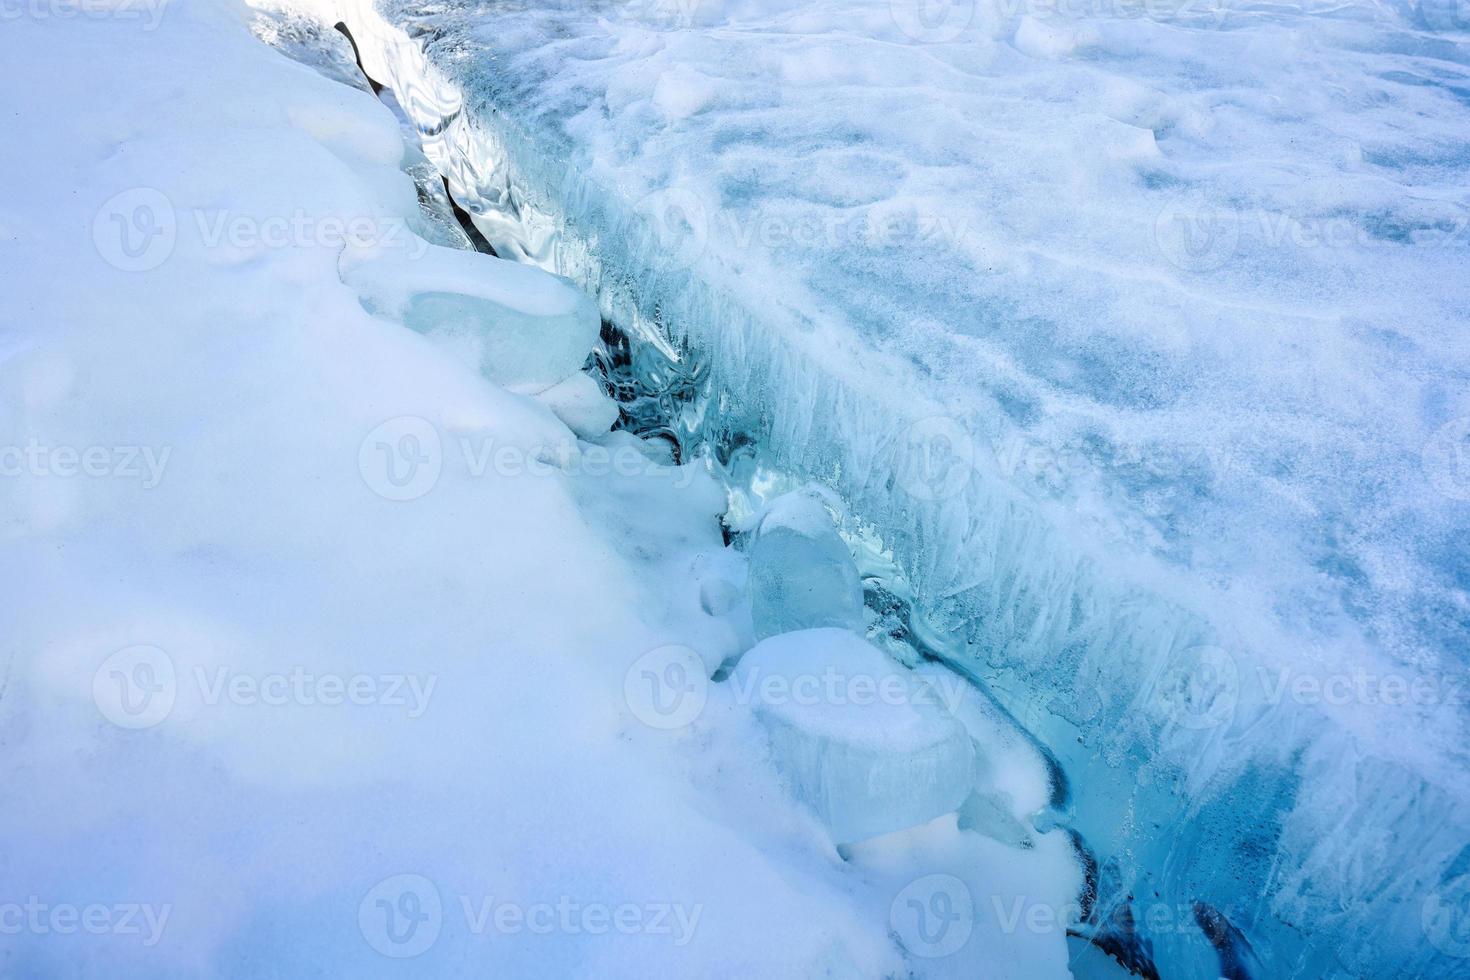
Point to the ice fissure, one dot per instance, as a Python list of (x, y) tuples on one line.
[(1196, 790)]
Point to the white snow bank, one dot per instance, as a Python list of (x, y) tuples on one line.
[(317, 640)]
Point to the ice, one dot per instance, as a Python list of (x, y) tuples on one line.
[(802, 575), (316, 641), (866, 747), (518, 327), (1181, 295), (1010, 785)]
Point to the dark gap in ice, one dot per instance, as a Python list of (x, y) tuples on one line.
[(357, 55)]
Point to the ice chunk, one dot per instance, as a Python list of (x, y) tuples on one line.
[(580, 402), (518, 326), (802, 575), (864, 744), (1011, 778)]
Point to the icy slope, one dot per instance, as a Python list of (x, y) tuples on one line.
[(322, 647), (1139, 333)]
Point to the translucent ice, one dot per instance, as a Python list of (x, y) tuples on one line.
[(866, 747), (802, 575), (1010, 783), (516, 325)]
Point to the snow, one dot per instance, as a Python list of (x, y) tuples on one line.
[(320, 630), (582, 405), (1135, 332)]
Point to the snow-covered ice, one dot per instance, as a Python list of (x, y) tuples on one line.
[(520, 328), (871, 750), (1135, 332), (342, 638)]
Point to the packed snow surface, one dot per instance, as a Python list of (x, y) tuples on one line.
[(342, 637), (1138, 332)]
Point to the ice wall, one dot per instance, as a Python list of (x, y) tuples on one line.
[(1136, 333)]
